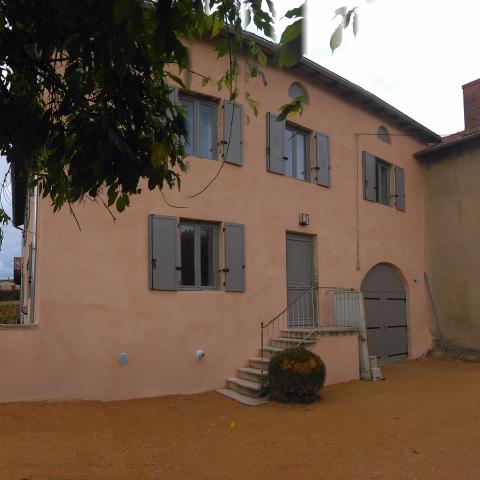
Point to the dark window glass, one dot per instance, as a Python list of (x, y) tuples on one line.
[(207, 261), (198, 253), (205, 131), (187, 253), (189, 123), (296, 153), (382, 174), (300, 156), (200, 124), (383, 134)]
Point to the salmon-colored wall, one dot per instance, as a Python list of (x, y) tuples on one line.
[(92, 295), (340, 355)]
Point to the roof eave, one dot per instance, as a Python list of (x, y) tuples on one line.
[(358, 93), (445, 146)]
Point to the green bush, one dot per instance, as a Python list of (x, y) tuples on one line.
[(296, 375)]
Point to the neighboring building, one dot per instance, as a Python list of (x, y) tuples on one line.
[(453, 227), (8, 284), (332, 198)]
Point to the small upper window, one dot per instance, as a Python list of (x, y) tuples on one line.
[(200, 121), (296, 90), (383, 134)]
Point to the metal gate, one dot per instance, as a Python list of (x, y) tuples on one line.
[(385, 312)]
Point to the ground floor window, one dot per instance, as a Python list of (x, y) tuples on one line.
[(198, 255)]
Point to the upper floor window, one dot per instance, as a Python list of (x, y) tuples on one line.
[(383, 176), (296, 90), (200, 118), (383, 182), (383, 135), (296, 153)]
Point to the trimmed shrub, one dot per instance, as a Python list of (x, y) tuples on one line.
[(296, 375)]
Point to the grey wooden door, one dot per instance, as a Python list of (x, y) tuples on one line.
[(300, 297), (385, 312)]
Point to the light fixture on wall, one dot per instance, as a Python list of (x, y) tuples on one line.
[(304, 219)]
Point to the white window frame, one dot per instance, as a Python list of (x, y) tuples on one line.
[(197, 102), (197, 255), (289, 127)]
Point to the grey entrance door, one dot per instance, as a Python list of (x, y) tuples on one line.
[(385, 312), (300, 296)]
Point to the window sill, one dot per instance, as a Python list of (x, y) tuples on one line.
[(198, 289), (18, 326)]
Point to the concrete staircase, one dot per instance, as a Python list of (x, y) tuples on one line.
[(246, 387)]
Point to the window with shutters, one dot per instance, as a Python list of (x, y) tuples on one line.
[(198, 255), (383, 182), (200, 119), (297, 163)]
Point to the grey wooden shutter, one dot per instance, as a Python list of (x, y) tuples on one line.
[(323, 160), (234, 257), (233, 133), (369, 183), (275, 144), (163, 232), (400, 188)]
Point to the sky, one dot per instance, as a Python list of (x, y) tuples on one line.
[(414, 54)]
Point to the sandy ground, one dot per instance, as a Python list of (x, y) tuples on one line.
[(422, 422)]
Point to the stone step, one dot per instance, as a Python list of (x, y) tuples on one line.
[(240, 397), (246, 387), (269, 352), (299, 333), (259, 362), (285, 342), (337, 330), (253, 374)]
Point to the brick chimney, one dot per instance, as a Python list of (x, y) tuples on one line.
[(471, 104)]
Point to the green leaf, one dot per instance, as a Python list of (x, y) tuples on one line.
[(159, 155), (296, 12), (340, 11), (336, 38), (355, 23), (205, 80), (217, 28), (176, 79), (290, 52), (247, 18), (292, 32)]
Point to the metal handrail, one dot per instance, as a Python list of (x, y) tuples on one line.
[(300, 316)]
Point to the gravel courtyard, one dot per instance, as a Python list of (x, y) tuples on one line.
[(422, 422)]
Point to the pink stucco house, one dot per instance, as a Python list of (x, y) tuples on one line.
[(169, 300)]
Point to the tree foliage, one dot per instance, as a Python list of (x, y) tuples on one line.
[(85, 103)]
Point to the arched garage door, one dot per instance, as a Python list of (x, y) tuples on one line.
[(385, 312)]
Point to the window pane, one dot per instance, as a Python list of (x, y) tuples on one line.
[(187, 255), (205, 131), (385, 180), (207, 255), (300, 157), (289, 139), (189, 116)]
